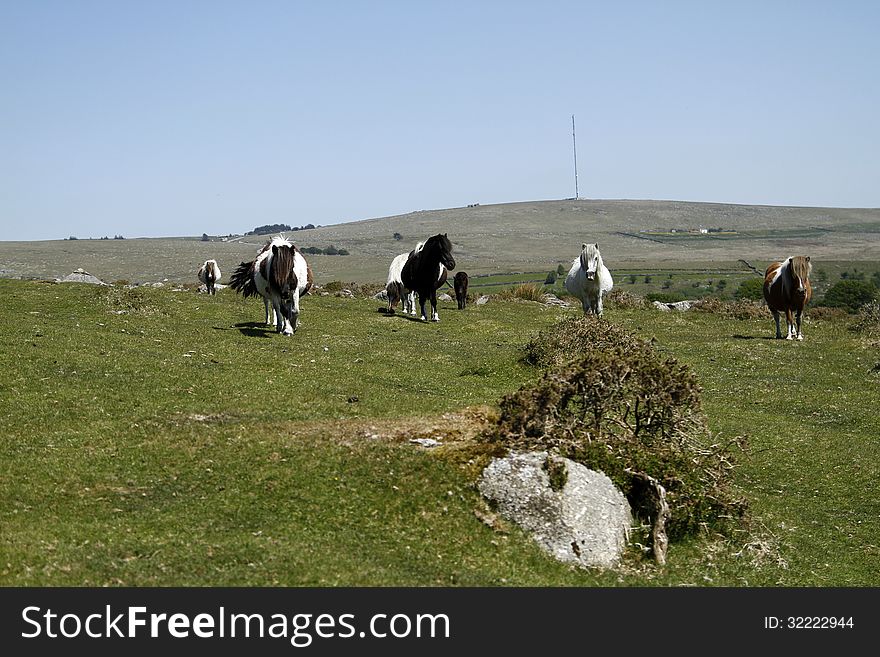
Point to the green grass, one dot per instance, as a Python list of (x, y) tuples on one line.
[(154, 437)]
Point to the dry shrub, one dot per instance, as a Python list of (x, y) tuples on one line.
[(738, 309), (524, 291), (868, 320), (365, 290), (621, 408), (618, 298), (826, 313)]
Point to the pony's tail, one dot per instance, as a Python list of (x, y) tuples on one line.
[(242, 280)]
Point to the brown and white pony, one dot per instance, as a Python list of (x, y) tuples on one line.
[(280, 275), (787, 289), (209, 274)]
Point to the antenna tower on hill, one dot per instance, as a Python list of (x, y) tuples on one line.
[(575, 148)]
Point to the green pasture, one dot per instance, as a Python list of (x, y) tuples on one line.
[(154, 437)]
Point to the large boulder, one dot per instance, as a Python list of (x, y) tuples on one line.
[(81, 276), (575, 514)]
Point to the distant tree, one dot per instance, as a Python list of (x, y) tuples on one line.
[(205, 237), (648, 278), (331, 250), (667, 284), (875, 278), (398, 236), (342, 252), (269, 229), (560, 270), (118, 237), (632, 279), (73, 237), (551, 278), (308, 226), (751, 288)]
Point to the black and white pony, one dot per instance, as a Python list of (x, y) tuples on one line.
[(209, 274), (589, 279), (394, 288), (280, 275), (426, 270)]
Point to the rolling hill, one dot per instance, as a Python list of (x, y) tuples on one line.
[(527, 236)]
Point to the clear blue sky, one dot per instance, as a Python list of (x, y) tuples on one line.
[(151, 118)]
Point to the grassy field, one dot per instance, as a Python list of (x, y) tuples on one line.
[(154, 437)]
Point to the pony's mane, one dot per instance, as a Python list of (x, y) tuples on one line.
[(800, 266), (440, 242), (282, 263), (588, 251)]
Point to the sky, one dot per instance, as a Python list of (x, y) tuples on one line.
[(165, 118)]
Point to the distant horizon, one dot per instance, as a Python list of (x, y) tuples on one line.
[(297, 228)]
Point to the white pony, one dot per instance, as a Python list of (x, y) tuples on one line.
[(209, 274), (589, 279), (394, 287)]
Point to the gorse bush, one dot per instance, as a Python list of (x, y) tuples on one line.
[(574, 337), (609, 401)]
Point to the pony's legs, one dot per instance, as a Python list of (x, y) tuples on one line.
[(294, 315), (410, 300), (269, 320), (800, 336), (422, 302), (776, 319), (789, 320), (599, 306), (435, 316)]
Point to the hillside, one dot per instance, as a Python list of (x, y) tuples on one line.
[(526, 236)]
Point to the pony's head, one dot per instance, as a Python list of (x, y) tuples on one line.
[(443, 247), (800, 268), (590, 260)]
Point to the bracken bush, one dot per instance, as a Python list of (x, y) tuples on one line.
[(621, 408)]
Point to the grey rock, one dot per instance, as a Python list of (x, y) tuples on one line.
[(444, 297), (586, 522), (482, 300), (82, 276), (553, 300), (678, 305)]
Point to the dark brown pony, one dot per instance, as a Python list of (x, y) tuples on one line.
[(787, 289), (461, 286)]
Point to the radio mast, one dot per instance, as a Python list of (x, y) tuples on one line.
[(575, 149)]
